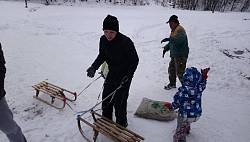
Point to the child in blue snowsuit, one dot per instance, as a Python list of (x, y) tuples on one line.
[(188, 101)]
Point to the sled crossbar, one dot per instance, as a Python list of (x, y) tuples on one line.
[(54, 92), (110, 129)]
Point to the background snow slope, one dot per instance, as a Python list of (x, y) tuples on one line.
[(59, 43)]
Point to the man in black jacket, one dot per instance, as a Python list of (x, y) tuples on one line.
[(120, 54), (7, 124)]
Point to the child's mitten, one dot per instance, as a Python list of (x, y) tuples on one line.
[(204, 73)]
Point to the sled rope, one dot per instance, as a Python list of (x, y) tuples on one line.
[(84, 90), (70, 106), (79, 114), (100, 93), (89, 85)]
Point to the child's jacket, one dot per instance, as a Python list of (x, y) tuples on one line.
[(188, 97)]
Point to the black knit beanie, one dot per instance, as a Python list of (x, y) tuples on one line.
[(111, 23)]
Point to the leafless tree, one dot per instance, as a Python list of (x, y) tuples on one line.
[(233, 5), (245, 5)]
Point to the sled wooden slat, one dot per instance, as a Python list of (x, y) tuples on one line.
[(126, 130), (62, 89), (47, 90), (50, 88), (110, 129), (108, 132), (54, 92), (117, 130), (119, 134)]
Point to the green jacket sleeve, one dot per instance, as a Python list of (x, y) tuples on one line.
[(178, 39)]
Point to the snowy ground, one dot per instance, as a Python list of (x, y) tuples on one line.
[(58, 43)]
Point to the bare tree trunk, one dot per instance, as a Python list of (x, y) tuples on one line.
[(26, 4), (188, 4), (195, 5), (214, 4), (163, 3), (233, 5), (46, 2), (219, 5), (174, 2), (224, 5), (245, 5), (181, 4), (191, 4), (207, 5)]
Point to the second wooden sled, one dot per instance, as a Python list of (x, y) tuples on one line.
[(108, 128), (54, 92)]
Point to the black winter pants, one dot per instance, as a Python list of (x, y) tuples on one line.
[(119, 102)]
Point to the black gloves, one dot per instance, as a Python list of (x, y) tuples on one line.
[(91, 72), (164, 40), (164, 51)]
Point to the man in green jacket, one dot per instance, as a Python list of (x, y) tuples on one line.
[(178, 47)]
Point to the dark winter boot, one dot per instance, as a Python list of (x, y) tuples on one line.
[(125, 125), (188, 129), (170, 86)]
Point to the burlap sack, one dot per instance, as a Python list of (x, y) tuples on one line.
[(156, 110)]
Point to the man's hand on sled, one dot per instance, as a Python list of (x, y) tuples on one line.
[(204, 73)]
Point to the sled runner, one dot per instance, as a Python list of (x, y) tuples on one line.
[(108, 128), (54, 92)]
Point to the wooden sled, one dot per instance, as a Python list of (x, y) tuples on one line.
[(54, 92), (112, 130)]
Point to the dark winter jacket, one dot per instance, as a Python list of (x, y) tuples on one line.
[(178, 43), (120, 55), (2, 73)]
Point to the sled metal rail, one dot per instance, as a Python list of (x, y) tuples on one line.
[(110, 129), (55, 92)]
